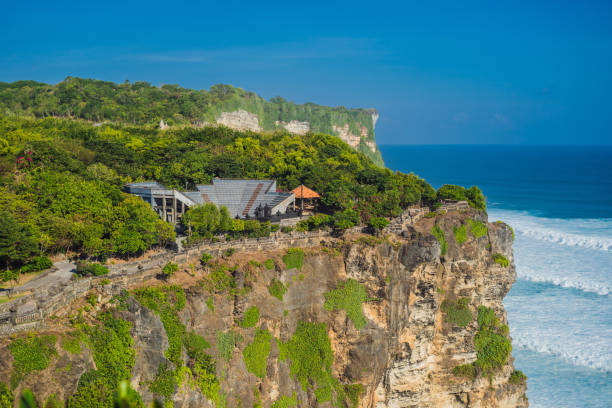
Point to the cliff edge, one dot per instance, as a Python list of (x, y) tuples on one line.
[(410, 318)]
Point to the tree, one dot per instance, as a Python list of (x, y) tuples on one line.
[(17, 242), (378, 223), (346, 219), (169, 269)]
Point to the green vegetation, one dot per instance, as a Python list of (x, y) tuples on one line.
[(226, 342), (311, 357), (256, 353), (517, 377), (229, 252), (492, 346), (378, 223), (6, 396), (349, 295), (142, 103), (205, 258), (457, 312), (51, 402), (220, 279), (169, 269), (501, 260), (90, 269), (477, 228), (285, 402), (472, 195), (167, 301), (345, 219), (439, 234), (114, 355), (164, 384), (315, 222), (277, 289), (269, 263), (71, 344), (460, 234), (32, 353), (431, 214), (251, 317), (294, 258), (210, 304), (38, 263), (27, 399)]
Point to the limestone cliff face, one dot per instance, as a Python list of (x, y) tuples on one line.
[(403, 355)]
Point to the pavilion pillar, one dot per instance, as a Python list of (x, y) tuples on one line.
[(173, 208), (164, 217)]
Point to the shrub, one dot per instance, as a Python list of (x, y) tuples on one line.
[(51, 402), (501, 260), (277, 289), (465, 370), (32, 353), (256, 353), (205, 258), (27, 399), (517, 377), (439, 234), (285, 402), (274, 227), (315, 222), (166, 302), (251, 317), (460, 234), (457, 312), (194, 344), (104, 282), (164, 383), (286, 229), (39, 263), (229, 252), (477, 228), (90, 269), (269, 263), (169, 269), (345, 219), (431, 214), (294, 258), (221, 280), (6, 396), (492, 343), (226, 342), (378, 223), (92, 299), (473, 195), (255, 263), (348, 295)]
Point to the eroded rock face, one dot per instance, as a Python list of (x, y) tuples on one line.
[(404, 354), (240, 120)]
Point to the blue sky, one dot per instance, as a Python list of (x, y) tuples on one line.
[(450, 72)]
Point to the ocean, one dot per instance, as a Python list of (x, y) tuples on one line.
[(559, 202)]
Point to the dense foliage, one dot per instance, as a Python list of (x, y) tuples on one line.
[(457, 312), (31, 353), (349, 295), (439, 234), (144, 104), (256, 353)]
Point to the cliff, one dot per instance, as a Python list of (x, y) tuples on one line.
[(141, 103), (355, 320)]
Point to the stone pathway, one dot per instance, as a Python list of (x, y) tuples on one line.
[(61, 276)]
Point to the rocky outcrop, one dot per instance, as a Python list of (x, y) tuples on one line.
[(240, 120), (295, 126), (402, 355)]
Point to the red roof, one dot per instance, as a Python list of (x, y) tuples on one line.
[(304, 192)]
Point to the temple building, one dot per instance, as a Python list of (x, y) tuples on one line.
[(254, 199)]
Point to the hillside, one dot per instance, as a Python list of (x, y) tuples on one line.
[(141, 103)]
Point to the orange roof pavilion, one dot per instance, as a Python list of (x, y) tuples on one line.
[(304, 192)]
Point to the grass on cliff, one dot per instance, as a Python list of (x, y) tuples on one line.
[(310, 363), (439, 234), (349, 295), (31, 353), (492, 343), (501, 260), (256, 354), (460, 234), (294, 258), (285, 402), (226, 342), (457, 312), (277, 289), (164, 384), (517, 377), (251, 317), (477, 228)]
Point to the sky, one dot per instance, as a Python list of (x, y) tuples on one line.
[(449, 72)]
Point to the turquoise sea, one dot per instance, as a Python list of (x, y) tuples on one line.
[(559, 202)]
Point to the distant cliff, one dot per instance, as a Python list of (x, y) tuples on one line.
[(142, 103)]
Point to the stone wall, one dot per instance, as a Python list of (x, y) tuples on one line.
[(31, 311)]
